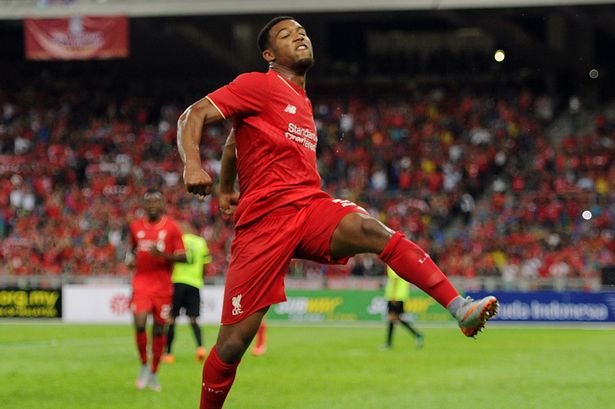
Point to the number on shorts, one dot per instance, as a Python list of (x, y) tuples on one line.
[(346, 203), (165, 311)]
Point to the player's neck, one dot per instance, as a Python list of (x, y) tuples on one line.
[(154, 220), (291, 75)]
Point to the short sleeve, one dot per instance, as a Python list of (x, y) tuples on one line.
[(245, 95)]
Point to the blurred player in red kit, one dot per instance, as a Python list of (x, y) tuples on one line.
[(156, 244), (282, 212)]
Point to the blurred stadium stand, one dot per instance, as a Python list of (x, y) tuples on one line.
[(505, 171)]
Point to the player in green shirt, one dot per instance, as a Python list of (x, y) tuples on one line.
[(396, 292), (187, 282)]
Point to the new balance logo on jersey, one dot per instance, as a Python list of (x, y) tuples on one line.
[(291, 109), (236, 301), (421, 261)]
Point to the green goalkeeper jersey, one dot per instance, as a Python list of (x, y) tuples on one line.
[(397, 289), (197, 255)]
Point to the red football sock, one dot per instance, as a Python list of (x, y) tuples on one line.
[(218, 378), (260, 335), (412, 264), (158, 343), (141, 338)]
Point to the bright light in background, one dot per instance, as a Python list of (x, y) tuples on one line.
[(594, 73), (499, 55), (586, 215)]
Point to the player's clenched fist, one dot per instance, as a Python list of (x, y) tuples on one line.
[(196, 180), (228, 202)]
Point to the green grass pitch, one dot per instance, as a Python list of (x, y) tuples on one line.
[(52, 365)]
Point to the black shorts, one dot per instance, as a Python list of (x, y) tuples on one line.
[(187, 297), (395, 307)]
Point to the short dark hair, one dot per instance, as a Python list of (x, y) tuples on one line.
[(263, 36), (152, 193)]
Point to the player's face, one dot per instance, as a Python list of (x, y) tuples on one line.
[(291, 46), (154, 205)]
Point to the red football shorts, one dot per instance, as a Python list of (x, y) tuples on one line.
[(159, 306), (261, 253)]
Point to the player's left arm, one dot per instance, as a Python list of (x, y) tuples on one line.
[(172, 257), (176, 244), (228, 173), (207, 258), (204, 270), (129, 259)]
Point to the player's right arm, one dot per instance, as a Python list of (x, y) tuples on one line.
[(189, 131), (206, 256), (246, 94), (129, 260)]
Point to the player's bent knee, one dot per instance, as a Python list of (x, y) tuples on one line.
[(372, 229), (231, 350)]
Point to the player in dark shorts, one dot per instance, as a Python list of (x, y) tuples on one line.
[(187, 297), (187, 283), (397, 292)]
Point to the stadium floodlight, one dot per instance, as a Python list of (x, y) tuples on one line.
[(594, 73), (499, 55)]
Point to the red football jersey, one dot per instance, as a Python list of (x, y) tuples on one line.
[(153, 273), (275, 141)]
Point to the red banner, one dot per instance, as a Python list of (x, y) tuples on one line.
[(76, 38)]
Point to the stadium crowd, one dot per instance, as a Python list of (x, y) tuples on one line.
[(471, 177)]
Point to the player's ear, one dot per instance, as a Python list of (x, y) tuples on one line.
[(268, 55)]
